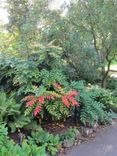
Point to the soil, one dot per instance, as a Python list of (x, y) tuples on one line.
[(15, 136), (60, 127), (52, 127)]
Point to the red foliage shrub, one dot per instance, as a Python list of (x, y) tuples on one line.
[(68, 99)]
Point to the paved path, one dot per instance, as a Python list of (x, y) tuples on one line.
[(105, 144)]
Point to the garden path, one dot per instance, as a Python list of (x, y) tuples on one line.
[(104, 144)]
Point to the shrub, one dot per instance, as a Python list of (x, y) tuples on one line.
[(92, 110), (104, 96), (19, 122), (8, 107), (8, 147), (20, 74), (25, 75), (49, 141), (48, 77), (112, 83), (69, 135), (56, 100)]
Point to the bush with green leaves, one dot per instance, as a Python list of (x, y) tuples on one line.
[(70, 134), (53, 100), (105, 96), (49, 141), (55, 75), (10, 113), (24, 75), (91, 108), (8, 147), (19, 122), (112, 83), (8, 107)]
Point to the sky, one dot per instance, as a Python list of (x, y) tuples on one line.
[(4, 14)]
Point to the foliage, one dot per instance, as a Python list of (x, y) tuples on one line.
[(69, 135), (52, 40), (54, 99), (25, 75), (21, 73), (53, 76), (24, 20), (10, 113), (112, 83), (8, 147), (93, 112), (41, 137), (86, 32), (106, 97), (8, 107), (43, 55), (91, 109), (19, 122)]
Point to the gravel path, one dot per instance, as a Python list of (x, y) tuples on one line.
[(105, 144)]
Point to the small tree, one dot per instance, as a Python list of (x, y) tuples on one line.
[(96, 22)]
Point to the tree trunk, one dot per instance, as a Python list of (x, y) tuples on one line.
[(105, 76)]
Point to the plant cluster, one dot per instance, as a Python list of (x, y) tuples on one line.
[(93, 105), (8, 107), (54, 99), (8, 147), (43, 138), (106, 97), (69, 135)]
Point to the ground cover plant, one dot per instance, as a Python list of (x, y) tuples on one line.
[(55, 71)]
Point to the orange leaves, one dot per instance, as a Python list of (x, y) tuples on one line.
[(65, 101), (70, 99), (37, 110), (73, 93), (73, 102), (41, 99), (49, 97), (66, 98), (31, 103)]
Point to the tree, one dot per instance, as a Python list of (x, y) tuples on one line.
[(87, 33), (25, 21), (96, 21)]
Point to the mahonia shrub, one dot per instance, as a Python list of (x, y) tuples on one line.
[(55, 99)]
